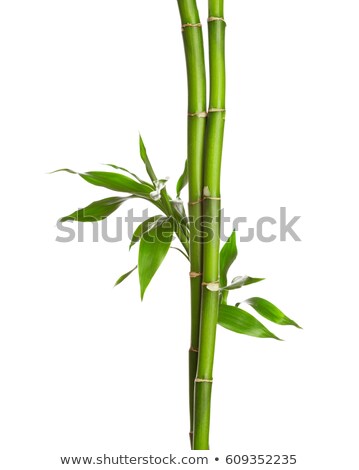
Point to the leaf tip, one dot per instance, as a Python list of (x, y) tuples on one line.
[(62, 169), (276, 337)]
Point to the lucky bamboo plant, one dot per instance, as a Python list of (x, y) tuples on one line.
[(198, 230)]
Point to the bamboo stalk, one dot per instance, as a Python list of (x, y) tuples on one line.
[(196, 78), (211, 215)]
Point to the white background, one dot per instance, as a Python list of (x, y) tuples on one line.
[(87, 369)]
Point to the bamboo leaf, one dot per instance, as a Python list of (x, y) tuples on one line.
[(241, 281), (183, 180), (124, 276), (227, 256), (64, 169), (114, 181), (130, 173), (269, 311), (154, 246), (143, 228), (97, 210), (240, 321), (147, 162)]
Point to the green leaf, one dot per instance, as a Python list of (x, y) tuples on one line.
[(241, 281), (124, 276), (97, 210), (64, 169), (143, 228), (269, 311), (114, 181), (154, 246), (130, 173), (183, 180), (240, 321), (226, 258), (146, 161)]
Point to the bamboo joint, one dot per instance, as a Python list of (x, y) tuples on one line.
[(216, 18), (201, 114), (212, 198), (191, 25), (193, 203), (193, 275)]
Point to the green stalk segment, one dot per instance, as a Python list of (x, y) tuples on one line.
[(211, 218), (196, 78)]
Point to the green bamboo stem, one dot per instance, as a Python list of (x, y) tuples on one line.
[(211, 214), (196, 78)]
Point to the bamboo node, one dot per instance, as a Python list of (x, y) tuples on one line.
[(211, 286), (216, 18), (191, 25), (192, 349), (193, 274), (201, 114), (212, 198), (198, 380), (193, 203), (216, 110)]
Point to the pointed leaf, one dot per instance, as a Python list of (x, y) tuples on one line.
[(146, 161), (269, 311), (227, 256), (114, 181), (97, 210), (130, 173), (154, 246), (64, 169), (143, 228), (241, 281), (124, 276), (183, 180), (240, 321)]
